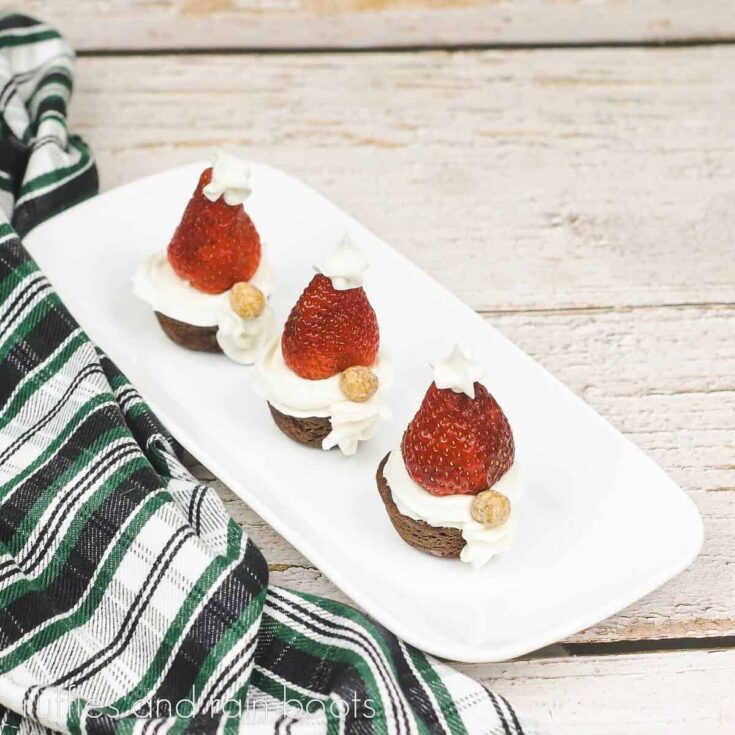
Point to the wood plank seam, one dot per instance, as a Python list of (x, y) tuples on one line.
[(684, 43), (601, 310)]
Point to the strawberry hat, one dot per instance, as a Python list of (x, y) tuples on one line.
[(459, 441), (216, 244), (332, 326)]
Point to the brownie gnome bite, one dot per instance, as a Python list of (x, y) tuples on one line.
[(324, 377), (452, 488), (209, 289)]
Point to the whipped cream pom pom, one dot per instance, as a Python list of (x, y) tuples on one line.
[(230, 178), (458, 372), (345, 265)]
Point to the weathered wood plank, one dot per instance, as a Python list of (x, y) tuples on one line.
[(141, 24), (650, 372), (523, 180), (674, 693)]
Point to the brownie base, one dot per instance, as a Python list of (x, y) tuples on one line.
[(202, 339), (437, 540), (310, 431)]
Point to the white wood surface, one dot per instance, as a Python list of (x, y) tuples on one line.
[(575, 178), (682, 693), (583, 201), (142, 24), (590, 218)]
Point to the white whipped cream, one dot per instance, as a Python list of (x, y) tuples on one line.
[(345, 265), (293, 395), (454, 511), (242, 339), (157, 284), (458, 372), (230, 178)]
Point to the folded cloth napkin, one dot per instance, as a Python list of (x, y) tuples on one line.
[(130, 602)]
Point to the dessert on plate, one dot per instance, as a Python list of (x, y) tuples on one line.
[(324, 377), (209, 288), (452, 487)]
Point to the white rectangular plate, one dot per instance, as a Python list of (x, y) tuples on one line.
[(602, 525)]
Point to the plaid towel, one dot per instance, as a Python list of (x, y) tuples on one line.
[(129, 601)]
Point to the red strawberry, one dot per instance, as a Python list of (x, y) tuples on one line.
[(215, 245), (457, 444), (329, 330)]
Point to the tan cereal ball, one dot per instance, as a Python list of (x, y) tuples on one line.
[(358, 383), (490, 508), (247, 300)]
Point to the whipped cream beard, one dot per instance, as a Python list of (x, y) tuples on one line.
[(351, 421), (456, 372), (156, 282)]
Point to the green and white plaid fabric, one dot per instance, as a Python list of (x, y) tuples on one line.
[(130, 602), (43, 169)]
